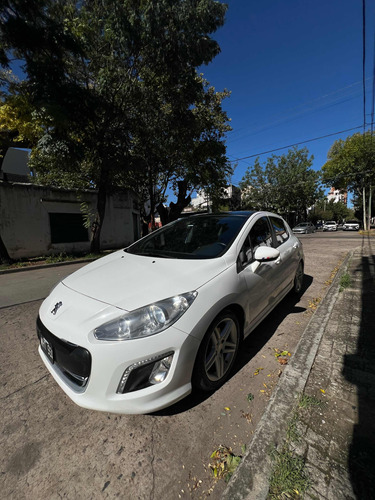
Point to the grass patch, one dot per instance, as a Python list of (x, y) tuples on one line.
[(289, 478), (306, 401), (52, 259), (60, 257), (292, 434), (345, 281)]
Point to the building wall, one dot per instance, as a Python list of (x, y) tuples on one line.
[(26, 224), (338, 195)]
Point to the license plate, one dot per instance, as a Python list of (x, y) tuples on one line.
[(47, 348)]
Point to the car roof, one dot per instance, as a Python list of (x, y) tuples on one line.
[(241, 213)]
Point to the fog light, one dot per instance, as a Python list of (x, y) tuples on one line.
[(161, 369), (145, 373)]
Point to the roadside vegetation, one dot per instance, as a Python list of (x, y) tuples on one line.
[(345, 281), (289, 478), (50, 259)]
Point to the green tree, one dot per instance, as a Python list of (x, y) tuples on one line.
[(331, 210), (351, 166), (285, 184), (19, 124), (94, 66)]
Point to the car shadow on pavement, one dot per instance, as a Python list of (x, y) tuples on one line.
[(249, 348), (359, 371)]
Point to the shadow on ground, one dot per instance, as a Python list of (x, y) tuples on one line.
[(249, 348), (359, 369)]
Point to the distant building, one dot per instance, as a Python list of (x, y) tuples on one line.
[(232, 195), (338, 195)]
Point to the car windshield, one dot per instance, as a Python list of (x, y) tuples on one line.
[(331, 222), (351, 222), (302, 224), (197, 237)]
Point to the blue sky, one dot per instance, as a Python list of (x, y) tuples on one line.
[(294, 68)]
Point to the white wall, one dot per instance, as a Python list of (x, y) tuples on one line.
[(25, 224)]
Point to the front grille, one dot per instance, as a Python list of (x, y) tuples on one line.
[(74, 361)]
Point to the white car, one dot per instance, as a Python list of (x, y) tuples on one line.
[(330, 225), (134, 331), (351, 225)]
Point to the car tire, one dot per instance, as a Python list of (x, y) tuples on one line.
[(298, 279), (212, 365)]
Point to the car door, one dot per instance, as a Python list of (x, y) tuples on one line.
[(288, 247), (260, 278)]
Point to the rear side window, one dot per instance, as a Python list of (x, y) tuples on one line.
[(281, 232)]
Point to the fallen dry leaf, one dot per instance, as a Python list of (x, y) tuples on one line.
[(282, 361)]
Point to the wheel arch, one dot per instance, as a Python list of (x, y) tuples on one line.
[(240, 314)]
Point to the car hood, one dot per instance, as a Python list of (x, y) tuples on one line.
[(130, 281)]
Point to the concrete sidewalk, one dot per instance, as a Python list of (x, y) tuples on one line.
[(335, 363)]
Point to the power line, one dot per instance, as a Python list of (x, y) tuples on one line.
[(364, 61), (297, 112), (295, 144)]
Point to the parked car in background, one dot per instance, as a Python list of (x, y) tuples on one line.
[(134, 331), (319, 225), (330, 225), (304, 228), (351, 225)]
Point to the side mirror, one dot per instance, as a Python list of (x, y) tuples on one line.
[(264, 254)]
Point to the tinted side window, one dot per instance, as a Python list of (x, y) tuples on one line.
[(281, 232), (259, 235)]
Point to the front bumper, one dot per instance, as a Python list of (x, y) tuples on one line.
[(89, 371)]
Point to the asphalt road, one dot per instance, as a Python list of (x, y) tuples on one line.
[(51, 448)]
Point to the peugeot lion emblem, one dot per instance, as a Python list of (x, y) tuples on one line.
[(56, 308)]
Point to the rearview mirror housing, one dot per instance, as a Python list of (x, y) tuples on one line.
[(266, 254)]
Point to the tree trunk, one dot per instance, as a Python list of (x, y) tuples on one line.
[(4, 256), (174, 211), (183, 201), (164, 214), (100, 210)]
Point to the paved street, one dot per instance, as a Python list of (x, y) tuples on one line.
[(52, 448), (20, 287)]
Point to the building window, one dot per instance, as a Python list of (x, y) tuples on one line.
[(67, 228)]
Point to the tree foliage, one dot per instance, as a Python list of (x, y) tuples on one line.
[(330, 210), (285, 184), (118, 84), (20, 125), (351, 165)]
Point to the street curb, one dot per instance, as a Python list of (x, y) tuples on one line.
[(45, 266), (251, 479)]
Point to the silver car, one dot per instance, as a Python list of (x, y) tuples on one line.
[(304, 228)]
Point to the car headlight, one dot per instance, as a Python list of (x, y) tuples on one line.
[(147, 320)]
